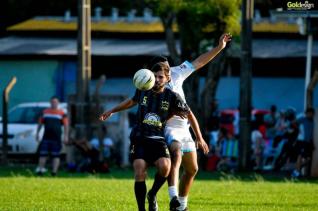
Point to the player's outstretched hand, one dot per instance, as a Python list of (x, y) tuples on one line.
[(202, 145), (105, 115), (225, 38)]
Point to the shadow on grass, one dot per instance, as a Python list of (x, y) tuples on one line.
[(29, 171), (19, 170), (269, 176)]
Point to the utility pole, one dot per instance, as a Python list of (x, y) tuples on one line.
[(308, 58), (84, 67), (246, 85), (5, 101)]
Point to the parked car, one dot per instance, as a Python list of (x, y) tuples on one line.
[(22, 125)]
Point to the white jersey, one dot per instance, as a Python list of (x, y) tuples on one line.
[(178, 75)]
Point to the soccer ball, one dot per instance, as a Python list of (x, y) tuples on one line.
[(144, 79)]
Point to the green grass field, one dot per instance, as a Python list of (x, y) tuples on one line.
[(20, 189)]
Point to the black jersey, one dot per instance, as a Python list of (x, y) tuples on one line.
[(154, 109)]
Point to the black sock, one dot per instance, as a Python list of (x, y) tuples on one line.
[(140, 193), (159, 181)]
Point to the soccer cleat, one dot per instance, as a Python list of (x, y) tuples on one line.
[(152, 202), (174, 203)]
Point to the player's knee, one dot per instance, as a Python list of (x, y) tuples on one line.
[(164, 167), (140, 175), (192, 171), (140, 170)]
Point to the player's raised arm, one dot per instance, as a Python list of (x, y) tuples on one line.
[(120, 107), (197, 132), (203, 59)]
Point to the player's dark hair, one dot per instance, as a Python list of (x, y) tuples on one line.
[(161, 67), (156, 60), (54, 97)]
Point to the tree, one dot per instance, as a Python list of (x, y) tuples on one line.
[(198, 22)]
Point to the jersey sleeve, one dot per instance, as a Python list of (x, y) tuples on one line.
[(184, 70), (136, 96), (180, 107)]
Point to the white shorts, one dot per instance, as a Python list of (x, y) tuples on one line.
[(181, 135)]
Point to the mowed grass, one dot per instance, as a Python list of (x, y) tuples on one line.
[(20, 189)]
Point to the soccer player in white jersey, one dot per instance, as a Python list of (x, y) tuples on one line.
[(177, 134)]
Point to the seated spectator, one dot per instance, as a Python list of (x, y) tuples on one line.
[(258, 145), (90, 157), (92, 160), (228, 153), (270, 122), (281, 124), (215, 145), (107, 146)]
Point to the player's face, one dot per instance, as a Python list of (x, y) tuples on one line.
[(161, 80), (54, 103), (167, 63)]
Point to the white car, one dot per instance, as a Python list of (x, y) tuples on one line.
[(22, 125)]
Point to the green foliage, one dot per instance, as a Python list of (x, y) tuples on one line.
[(199, 19)]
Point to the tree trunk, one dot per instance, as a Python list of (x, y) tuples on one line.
[(167, 21), (208, 94), (191, 91)]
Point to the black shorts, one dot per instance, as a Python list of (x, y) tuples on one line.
[(304, 149), (148, 149), (49, 146)]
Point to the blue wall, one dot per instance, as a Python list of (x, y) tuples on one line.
[(283, 92), (36, 80)]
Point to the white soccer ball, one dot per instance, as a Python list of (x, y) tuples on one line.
[(144, 79)]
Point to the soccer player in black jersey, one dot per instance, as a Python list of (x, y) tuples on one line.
[(148, 145)]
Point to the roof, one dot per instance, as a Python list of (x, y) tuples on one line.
[(105, 24), (15, 46), (68, 46), (279, 48)]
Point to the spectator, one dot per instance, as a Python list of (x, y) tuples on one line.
[(89, 161), (304, 142), (107, 146), (52, 119), (288, 153), (228, 153), (281, 124), (270, 122), (215, 149), (258, 145)]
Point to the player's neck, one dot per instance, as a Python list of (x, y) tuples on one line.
[(159, 90)]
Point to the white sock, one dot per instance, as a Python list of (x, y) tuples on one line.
[(173, 191), (184, 202)]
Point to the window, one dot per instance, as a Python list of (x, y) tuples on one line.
[(25, 115)]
